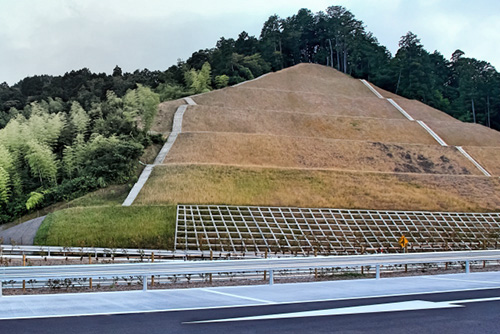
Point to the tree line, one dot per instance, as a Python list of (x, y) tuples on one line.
[(48, 154), (62, 136)]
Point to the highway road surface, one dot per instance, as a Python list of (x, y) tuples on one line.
[(456, 303)]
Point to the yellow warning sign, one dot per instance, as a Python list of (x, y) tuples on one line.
[(403, 242)]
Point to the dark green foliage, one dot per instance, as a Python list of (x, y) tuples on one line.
[(55, 154), (111, 160)]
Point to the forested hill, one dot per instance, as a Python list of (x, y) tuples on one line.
[(64, 135), (466, 88)]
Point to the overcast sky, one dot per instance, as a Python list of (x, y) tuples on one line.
[(56, 36)]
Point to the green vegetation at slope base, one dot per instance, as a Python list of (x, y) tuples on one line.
[(151, 227)]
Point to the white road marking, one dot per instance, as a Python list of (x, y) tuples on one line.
[(477, 300), (240, 297), (124, 312), (376, 308), (461, 280), (53, 299)]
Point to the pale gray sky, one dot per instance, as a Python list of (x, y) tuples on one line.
[(56, 36)]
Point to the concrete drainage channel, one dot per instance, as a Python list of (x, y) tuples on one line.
[(176, 130)]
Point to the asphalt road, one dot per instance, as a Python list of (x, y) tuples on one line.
[(21, 234), (454, 312)]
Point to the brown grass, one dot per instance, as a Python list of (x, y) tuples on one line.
[(417, 109), (488, 157), (150, 153), (165, 116), (304, 152), (466, 134), (311, 136), (315, 188), (216, 119), (312, 78), (423, 112), (333, 104)]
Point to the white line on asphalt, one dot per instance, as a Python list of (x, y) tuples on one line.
[(461, 280), (412, 305), (213, 307), (121, 312), (478, 300), (238, 296)]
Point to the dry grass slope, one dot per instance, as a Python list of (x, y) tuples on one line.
[(303, 152), (312, 78), (311, 136), (217, 119), (261, 99), (316, 188), (165, 117), (466, 134), (423, 112), (488, 157)]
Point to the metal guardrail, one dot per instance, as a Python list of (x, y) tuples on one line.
[(217, 266), (22, 249)]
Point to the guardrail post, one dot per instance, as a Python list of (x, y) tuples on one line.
[(211, 259), (315, 269), (90, 279), (377, 271), (152, 260), (144, 283), (24, 265), (265, 272), (467, 267), (271, 277)]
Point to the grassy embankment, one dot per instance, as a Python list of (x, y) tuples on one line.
[(98, 219), (110, 226)]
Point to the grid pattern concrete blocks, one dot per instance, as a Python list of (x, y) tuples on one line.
[(240, 229)]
